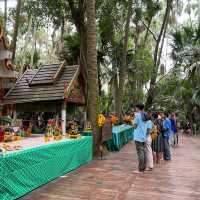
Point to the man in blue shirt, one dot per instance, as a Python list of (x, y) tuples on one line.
[(173, 129), (140, 137), (166, 133)]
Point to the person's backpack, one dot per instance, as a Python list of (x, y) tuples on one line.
[(144, 116), (154, 132)]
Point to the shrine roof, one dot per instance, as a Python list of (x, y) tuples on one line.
[(44, 84)]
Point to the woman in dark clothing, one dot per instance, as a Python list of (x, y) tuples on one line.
[(157, 144)]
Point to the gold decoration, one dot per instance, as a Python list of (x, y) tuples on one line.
[(101, 120)]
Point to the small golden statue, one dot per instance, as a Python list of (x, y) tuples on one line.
[(73, 130)]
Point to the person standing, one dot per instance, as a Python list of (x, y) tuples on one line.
[(140, 137), (149, 153), (158, 143), (176, 129), (166, 133), (171, 137), (173, 130)]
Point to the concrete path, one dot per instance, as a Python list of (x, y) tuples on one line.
[(113, 178)]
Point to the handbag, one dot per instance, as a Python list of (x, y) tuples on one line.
[(154, 132)]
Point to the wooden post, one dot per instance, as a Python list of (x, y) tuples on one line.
[(14, 114), (63, 116), (85, 116), (57, 119)]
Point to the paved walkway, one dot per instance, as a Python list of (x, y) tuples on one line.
[(113, 178)]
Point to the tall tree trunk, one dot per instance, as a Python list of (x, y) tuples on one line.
[(134, 98), (199, 12), (137, 32), (5, 17), (123, 67), (33, 47), (16, 28), (30, 22), (92, 71), (191, 120), (147, 32), (99, 77), (62, 29), (110, 96), (53, 37), (78, 16), (116, 93), (162, 42), (151, 92)]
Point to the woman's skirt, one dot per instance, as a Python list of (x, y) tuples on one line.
[(158, 144)]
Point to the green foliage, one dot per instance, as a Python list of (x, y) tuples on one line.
[(180, 89), (142, 64), (27, 59), (47, 9), (152, 8), (71, 49)]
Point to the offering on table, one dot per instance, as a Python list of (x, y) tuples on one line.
[(57, 133), (7, 147), (128, 119), (47, 138), (52, 131), (51, 125), (114, 119), (17, 147), (57, 137), (8, 135), (17, 137), (73, 132), (29, 131), (87, 126)]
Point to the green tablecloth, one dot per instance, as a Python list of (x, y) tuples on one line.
[(121, 135), (24, 171)]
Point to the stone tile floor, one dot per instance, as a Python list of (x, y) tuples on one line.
[(113, 178)]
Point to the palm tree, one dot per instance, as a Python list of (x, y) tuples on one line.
[(92, 70), (157, 54), (123, 68), (184, 93)]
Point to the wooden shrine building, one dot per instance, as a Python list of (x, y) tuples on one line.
[(51, 88)]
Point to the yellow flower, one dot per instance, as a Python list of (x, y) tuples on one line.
[(101, 120)]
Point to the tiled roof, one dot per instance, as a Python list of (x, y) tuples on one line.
[(40, 85)]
